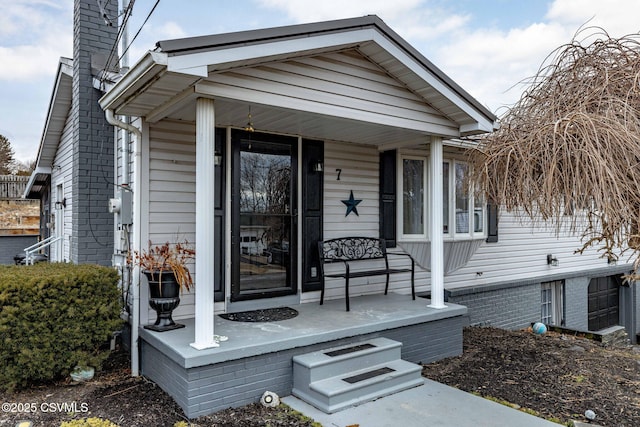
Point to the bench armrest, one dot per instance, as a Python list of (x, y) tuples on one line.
[(413, 262), (399, 253)]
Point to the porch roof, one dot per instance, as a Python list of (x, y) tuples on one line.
[(165, 82)]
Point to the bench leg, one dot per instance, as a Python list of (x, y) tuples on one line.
[(386, 287), (322, 292), (413, 287), (346, 291)]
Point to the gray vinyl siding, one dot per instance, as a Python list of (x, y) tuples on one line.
[(359, 166), (171, 192), (62, 172), (343, 84), (521, 254)]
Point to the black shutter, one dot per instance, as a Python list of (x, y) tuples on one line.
[(312, 203), (220, 146), (388, 197), (492, 223)]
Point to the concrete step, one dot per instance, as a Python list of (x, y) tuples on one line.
[(319, 365), (615, 337), (348, 375), (352, 388)]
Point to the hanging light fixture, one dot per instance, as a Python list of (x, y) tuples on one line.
[(249, 127)]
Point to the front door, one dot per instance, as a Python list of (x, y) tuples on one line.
[(264, 216)]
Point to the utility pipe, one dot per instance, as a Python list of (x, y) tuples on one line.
[(135, 317)]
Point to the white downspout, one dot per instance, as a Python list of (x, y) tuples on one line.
[(135, 277)]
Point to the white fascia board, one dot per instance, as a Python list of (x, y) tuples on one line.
[(198, 63), (151, 64), (56, 107), (476, 128), (432, 80)]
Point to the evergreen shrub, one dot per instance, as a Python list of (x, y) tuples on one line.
[(54, 317)]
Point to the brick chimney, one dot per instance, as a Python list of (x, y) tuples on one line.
[(95, 27)]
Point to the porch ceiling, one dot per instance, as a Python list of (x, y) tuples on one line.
[(172, 96), (288, 121)]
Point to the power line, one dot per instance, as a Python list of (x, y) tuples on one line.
[(141, 27), (127, 14)]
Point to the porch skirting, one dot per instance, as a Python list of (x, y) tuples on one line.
[(251, 365)]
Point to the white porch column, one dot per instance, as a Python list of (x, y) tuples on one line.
[(435, 229), (205, 238)]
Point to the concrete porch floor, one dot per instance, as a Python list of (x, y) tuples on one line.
[(314, 324)]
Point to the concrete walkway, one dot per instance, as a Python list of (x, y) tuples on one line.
[(430, 405)]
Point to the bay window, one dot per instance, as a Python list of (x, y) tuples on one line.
[(463, 209)]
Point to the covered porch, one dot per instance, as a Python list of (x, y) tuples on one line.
[(323, 102), (258, 356)]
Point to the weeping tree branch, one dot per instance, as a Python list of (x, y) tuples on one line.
[(572, 143)]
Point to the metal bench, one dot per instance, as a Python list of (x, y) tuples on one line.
[(349, 250)]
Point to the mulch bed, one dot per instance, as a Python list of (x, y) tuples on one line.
[(557, 376)]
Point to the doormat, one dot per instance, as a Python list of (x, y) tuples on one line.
[(266, 315)]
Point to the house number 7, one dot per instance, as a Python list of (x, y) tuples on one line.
[(339, 172)]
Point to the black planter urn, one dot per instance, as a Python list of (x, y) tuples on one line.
[(164, 297)]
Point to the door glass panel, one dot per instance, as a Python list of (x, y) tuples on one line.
[(266, 217)]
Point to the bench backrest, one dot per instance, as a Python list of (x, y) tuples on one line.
[(351, 248)]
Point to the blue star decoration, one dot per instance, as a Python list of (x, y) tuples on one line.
[(351, 204)]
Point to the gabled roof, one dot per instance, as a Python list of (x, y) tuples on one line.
[(162, 76), (57, 114)]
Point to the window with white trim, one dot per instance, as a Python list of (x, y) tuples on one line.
[(551, 302), (463, 209)]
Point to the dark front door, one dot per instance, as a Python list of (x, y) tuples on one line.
[(264, 216), (604, 303)]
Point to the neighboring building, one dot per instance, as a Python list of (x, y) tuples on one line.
[(255, 145), (19, 218)]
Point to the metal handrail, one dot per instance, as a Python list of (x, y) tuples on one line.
[(28, 252)]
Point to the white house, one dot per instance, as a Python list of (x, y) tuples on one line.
[(256, 145)]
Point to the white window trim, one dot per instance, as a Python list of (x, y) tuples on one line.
[(556, 303)]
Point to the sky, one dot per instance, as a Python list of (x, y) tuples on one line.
[(489, 47)]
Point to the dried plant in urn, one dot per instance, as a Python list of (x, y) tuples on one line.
[(168, 257), (166, 268)]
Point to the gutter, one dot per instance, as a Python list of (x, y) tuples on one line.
[(135, 276), (138, 77)]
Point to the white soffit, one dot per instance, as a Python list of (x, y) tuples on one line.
[(57, 114)]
